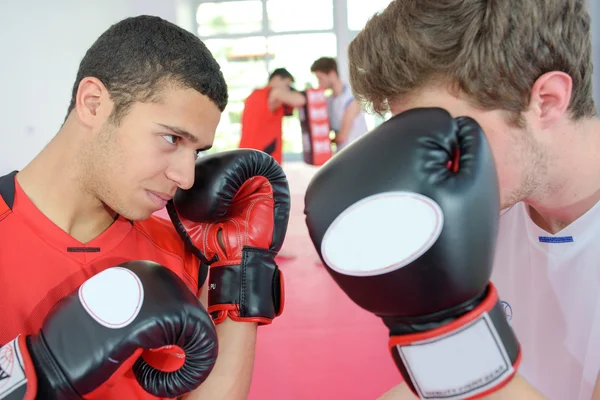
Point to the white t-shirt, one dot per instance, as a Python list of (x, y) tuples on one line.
[(336, 107), (550, 289)]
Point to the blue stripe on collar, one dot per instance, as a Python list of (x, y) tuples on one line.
[(560, 239)]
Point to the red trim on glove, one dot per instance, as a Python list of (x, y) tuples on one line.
[(222, 311), (225, 263), (30, 373), (258, 320), (233, 312), (486, 305)]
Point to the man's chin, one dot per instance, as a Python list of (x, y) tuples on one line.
[(137, 215)]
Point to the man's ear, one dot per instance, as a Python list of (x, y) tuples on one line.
[(550, 97), (92, 103)]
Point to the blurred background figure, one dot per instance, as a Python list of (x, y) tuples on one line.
[(346, 116), (263, 114)]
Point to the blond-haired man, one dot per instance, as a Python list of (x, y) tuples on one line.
[(523, 71)]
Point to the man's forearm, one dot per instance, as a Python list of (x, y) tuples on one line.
[(342, 135), (232, 374), (516, 389), (398, 392), (348, 118)]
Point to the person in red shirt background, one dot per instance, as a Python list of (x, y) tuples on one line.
[(263, 114)]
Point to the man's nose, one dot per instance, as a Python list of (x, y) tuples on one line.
[(182, 171)]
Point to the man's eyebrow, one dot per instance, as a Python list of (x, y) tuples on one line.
[(185, 134), (181, 132)]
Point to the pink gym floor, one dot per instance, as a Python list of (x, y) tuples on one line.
[(323, 346)]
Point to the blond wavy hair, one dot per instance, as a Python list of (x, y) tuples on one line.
[(492, 50)]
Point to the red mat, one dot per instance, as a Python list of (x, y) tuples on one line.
[(323, 346)]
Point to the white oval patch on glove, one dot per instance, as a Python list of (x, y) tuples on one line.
[(382, 233), (113, 297)]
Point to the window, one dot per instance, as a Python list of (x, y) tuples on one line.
[(297, 53), (305, 15), (229, 17)]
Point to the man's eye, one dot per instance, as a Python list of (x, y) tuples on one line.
[(171, 138)]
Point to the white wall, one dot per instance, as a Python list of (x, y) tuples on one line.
[(41, 45)]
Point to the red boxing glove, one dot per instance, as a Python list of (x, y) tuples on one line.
[(235, 219)]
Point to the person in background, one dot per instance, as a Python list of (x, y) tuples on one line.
[(346, 116), (263, 114)]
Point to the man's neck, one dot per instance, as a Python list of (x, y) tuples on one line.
[(338, 87), (576, 188), (52, 181)]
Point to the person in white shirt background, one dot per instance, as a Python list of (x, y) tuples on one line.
[(523, 71), (346, 117)]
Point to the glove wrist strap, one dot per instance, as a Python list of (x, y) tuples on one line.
[(401, 326), (251, 291), (468, 358)]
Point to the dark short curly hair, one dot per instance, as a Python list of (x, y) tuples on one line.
[(135, 57)]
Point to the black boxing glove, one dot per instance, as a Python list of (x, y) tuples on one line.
[(235, 218), (94, 335), (405, 219)]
